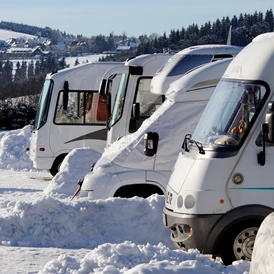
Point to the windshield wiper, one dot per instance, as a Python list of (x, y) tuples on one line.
[(185, 143), (198, 144)]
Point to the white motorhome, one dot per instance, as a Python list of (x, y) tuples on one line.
[(134, 102), (124, 170), (132, 108), (221, 187), (70, 114)]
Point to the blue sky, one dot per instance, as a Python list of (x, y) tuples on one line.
[(93, 17)]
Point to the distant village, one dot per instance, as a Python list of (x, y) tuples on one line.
[(32, 48)]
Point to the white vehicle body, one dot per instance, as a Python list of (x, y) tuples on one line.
[(147, 93), (124, 170), (134, 102), (216, 201), (55, 133)]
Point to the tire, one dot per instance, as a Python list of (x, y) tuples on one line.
[(238, 242), (56, 164)]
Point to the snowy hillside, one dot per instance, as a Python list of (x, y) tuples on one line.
[(6, 34)]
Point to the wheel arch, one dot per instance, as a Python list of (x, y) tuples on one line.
[(230, 220), (56, 163), (141, 190)]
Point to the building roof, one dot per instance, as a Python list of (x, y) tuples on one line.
[(123, 48)]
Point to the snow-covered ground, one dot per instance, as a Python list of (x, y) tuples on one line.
[(6, 34), (83, 59), (42, 231)]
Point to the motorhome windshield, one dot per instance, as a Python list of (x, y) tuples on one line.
[(180, 64), (43, 106), (229, 114), (119, 100)]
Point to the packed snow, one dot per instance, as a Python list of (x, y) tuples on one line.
[(43, 231), (262, 262)]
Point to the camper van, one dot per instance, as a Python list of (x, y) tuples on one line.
[(140, 164), (70, 114), (132, 108), (133, 102), (221, 187), (141, 174)]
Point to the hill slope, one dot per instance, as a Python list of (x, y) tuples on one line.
[(6, 34)]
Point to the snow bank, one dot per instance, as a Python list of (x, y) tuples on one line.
[(75, 165), (13, 149)]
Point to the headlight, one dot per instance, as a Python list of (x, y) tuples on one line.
[(189, 201), (180, 201)]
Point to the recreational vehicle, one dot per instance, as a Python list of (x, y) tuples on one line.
[(70, 114), (221, 187), (133, 102), (140, 164), (135, 176)]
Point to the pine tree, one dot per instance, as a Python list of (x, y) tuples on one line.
[(30, 70), (76, 62)]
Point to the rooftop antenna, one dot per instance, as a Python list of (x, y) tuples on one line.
[(228, 42)]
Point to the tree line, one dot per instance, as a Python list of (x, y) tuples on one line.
[(22, 78), (244, 28), (24, 82)]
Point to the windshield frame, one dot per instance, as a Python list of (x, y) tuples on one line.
[(233, 146), (44, 104)]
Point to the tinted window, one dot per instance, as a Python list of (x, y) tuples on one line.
[(188, 63)]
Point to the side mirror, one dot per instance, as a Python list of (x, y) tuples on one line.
[(65, 95), (134, 117), (102, 88), (270, 121), (135, 70), (261, 154), (31, 125), (108, 87), (151, 140), (136, 111)]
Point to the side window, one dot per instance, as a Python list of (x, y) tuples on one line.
[(189, 62), (148, 101), (80, 107), (97, 110)]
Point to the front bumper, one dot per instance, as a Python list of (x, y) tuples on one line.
[(189, 230), (98, 185)]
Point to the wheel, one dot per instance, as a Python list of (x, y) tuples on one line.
[(56, 164), (244, 243), (238, 243), (179, 245)]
